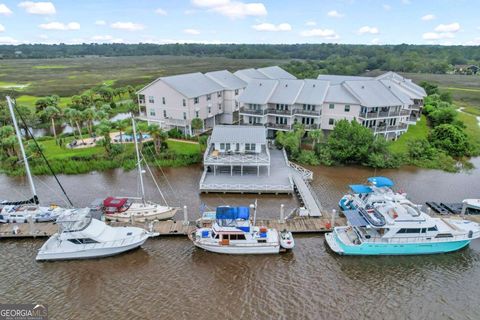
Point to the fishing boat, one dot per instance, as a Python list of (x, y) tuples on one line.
[(232, 232), (80, 236), (378, 190), (129, 209), (403, 230)]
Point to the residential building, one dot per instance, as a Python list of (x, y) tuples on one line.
[(274, 72)]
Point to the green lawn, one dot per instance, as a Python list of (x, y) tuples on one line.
[(29, 101), (50, 66), (53, 151), (420, 130), (183, 147)]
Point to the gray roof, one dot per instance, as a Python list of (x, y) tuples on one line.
[(408, 84), (337, 93), (275, 72), (372, 93), (313, 92), (286, 91), (337, 79), (238, 134), (226, 79), (398, 91), (250, 74), (192, 84), (258, 91)]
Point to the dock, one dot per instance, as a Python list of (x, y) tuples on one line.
[(301, 178), (174, 227)]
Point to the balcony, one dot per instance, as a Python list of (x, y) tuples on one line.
[(279, 112), (141, 102), (385, 128), (382, 114), (307, 112), (254, 112), (405, 112), (278, 126), (311, 126)]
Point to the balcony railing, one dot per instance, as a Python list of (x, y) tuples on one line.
[(311, 126), (256, 112), (383, 114), (316, 113), (279, 126), (402, 126), (405, 112), (279, 112)]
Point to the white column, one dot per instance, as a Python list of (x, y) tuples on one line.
[(185, 216), (282, 213), (334, 213)]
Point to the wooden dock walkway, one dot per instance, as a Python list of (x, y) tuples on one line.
[(175, 228), (306, 194)]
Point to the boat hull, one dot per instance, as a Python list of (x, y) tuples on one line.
[(122, 217), (228, 249), (394, 248), (89, 253)]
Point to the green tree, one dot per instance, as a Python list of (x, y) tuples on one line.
[(89, 115), (8, 141), (316, 136), (158, 135), (104, 129), (121, 126), (350, 142), (452, 139), (53, 113), (196, 124)]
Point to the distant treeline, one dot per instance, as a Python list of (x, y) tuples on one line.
[(406, 58)]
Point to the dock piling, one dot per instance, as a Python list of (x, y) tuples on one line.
[(282, 213), (185, 216), (334, 213)]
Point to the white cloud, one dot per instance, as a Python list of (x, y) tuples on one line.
[(191, 31), (335, 14), (321, 33), (100, 22), (161, 12), (272, 27), (106, 38), (129, 26), (428, 17), (5, 10), (375, 41), (452, 27), (387, 7), (437, 35), (60, 26), (310, 23), (2, 28), (232, 9), (38, 7), (368, 29), (8, 40), (474, 42)]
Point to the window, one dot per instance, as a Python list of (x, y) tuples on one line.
[(219, 106), (253, 120), (249, 146), (184, 116), (222, 146), (280, 120), (237, 237), (163, 100), (236, 92), (209, 97), (151, 99), (195, 100), (410, 230), (196, 114), (209, 110), (331, 106), (347, 108), (184, 102), (307, 120), (309, 107), (164, 113), (331, 121), (152, 112), (227, 147), (214, 235), (219, 94), (236, 104), (433, 228)]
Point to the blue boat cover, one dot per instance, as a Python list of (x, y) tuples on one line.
[(244, 229), (232, 213), (355, 219), (381, 182), (360, 188)]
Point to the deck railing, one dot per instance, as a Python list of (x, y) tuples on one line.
[(244, 187)]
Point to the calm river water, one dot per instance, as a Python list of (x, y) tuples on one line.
[(169, 279)]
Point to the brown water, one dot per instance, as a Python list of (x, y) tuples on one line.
[(169, 279)]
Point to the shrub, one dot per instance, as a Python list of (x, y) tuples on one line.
[(451, 139), (308, 157), (175, 133)]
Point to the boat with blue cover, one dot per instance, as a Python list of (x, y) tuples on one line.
[(403, 230), (232, 232)]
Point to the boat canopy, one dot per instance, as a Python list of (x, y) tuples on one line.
[(355, 218), (233, 213), (381, 181), (112, 202), (360, 188)]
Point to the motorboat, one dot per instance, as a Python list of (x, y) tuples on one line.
[(23, 213), (129, 209), (406, 230), (232, 232), (80, 236)]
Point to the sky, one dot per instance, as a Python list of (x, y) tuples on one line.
[(446, 22)]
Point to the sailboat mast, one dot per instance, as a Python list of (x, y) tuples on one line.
[(139, 165), (22, 149)]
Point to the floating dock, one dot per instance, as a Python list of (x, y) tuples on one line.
[(174, 227)]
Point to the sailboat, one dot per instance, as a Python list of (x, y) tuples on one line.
[(27, 210), (125, 209)]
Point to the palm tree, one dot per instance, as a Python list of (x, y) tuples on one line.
[(104, 129), (53, 113), (197, 124), (89, 115), (158, 136), (121, 126), (316, 136), (74, 117), (8, 140), (141, 128)]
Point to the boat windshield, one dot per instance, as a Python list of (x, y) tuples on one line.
[(74, 220)]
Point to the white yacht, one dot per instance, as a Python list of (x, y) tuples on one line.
[(399, 227), (232, 233), (81, 237), (128, 209)]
